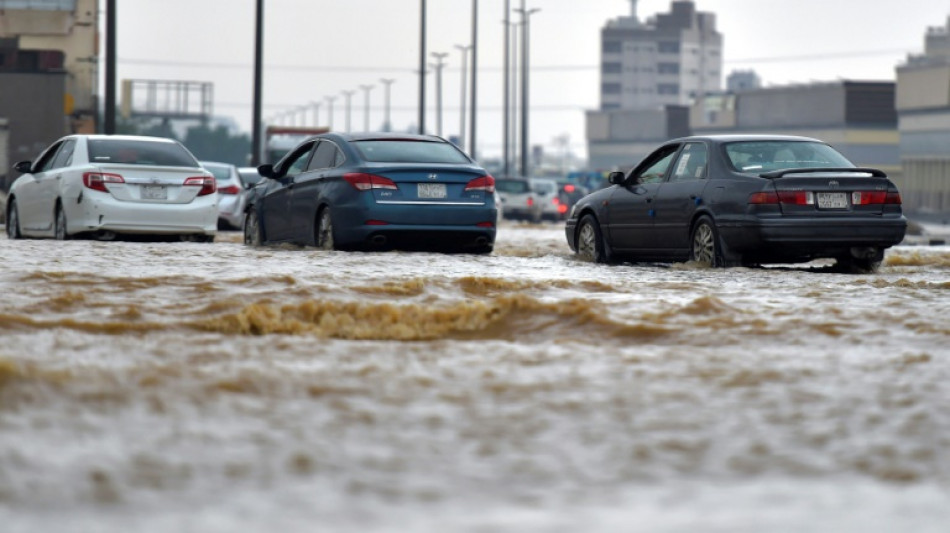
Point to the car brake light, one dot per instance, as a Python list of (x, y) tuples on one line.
[(562, 208), (484, 183), (207, 184), (485, 225), (97, 180), (555, 201), (796, 197), (763, 198), (362, 181), (568, 188), (875, 198), (530, 201), (373, 222), (230, 189)]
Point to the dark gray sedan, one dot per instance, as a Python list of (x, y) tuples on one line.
[(733, 200)]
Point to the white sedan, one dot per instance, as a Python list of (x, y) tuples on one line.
[(107, 185)]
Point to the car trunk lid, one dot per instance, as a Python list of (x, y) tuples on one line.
[(832, 191), (153, 184)]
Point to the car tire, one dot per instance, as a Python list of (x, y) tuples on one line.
[(590, 241), (483, 250), (253, 236), (706, 247), (13, 222), (853, 265), (60, 224), (323, 230)]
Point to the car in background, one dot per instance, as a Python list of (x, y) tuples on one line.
[(250, 177), (732, 200), (374, 191), (570, 193), (106, 186), (231, 194), (546, 194), (518, 200)]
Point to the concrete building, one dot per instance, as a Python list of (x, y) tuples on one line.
[(923, 107), (667, 60), (620, 139)]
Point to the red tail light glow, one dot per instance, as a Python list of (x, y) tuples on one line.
[(530, 201), (484, 183), (796, 197), (562, 208), (230, 189), (207, 184), (875, 198), (376, 223), (568, 188), (763, 198), (485, 225), (97, 180), (362, 181)]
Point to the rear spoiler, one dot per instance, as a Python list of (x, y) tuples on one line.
[(810, 170)]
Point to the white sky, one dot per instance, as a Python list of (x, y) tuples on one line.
[(315, 49)]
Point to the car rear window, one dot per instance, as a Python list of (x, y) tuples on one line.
[(764, 156), (220, 172), (136, 152), (410, 151), (512, 186)]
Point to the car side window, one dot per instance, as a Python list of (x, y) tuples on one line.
[(657, 165), (297, 162), (324, 156), (65, 156), (47, 159), (691, 163)]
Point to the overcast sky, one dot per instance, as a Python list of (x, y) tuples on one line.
[(320, 48)]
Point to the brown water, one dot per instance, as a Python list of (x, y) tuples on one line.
[(194, 387)]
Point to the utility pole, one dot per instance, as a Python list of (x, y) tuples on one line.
[(256, 133), (422, 67), (330, 100), (525, 47), (387, 125), (348, 95), (316, 113), (109, 111), (506, 113), (366, 90), (462, 105), (439, 65), (473, 145)]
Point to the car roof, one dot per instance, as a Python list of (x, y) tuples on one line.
[(98, 137), (740, 137), (382, 136)]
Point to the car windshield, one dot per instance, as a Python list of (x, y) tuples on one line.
[(511, 186), (136, 152), (764, 156), (410, 151), (544, 186)]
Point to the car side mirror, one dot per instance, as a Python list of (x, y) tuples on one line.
[(616, 178), (23, 167), (266, 170)]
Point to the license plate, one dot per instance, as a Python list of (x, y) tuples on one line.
[(154, 192), (431, 190), (832, 200)]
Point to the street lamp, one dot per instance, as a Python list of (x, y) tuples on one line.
[(348, 95), (316, 113), (387, 125), (366, 90), (464, 49), (330, 100), (525, 33), (422, 66), (439, 65)]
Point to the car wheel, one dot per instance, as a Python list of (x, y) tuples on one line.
[(483, 250), (590, 241), (324, 230), (853, 265), (252, 229), (60, 224), (13, 222), (707, 248)]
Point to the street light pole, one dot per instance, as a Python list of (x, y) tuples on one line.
[(506, 133), (472, 138), (422, 67), (439, 65), (316, 113), (366, 90), (462, 106), (348, 95), (525, 33), (256, 133), (330, 100), (387, 125)]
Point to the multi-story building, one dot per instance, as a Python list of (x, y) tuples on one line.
[(923, 107), (650, 71)]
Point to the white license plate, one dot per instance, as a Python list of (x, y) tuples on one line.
[(832, 200), (154, 192), (431, 190)]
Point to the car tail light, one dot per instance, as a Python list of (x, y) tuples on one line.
[(562, 208), (530, 201), (230, 189), (207, 184), (875, 198), (568, 188), (97, 180), (484, 183), (485, 225), (796, 197), (364, 182), (372, 222), (769, 197)]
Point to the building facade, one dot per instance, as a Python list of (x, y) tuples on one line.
[(923, 107)]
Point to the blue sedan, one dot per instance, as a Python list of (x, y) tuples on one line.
[(374, 191)]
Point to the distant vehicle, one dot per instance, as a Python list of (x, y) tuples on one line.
[(546, 194), (518, 200), (249, 176), (231, 194), (570, 193), (343, 191), (734, 200), (110, 185)]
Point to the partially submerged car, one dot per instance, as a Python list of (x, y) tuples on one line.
[(732, 200)]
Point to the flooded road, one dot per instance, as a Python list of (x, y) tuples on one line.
[(157, 387)]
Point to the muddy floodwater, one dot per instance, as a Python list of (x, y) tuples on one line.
[(178, 387)]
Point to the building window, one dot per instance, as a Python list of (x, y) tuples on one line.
[(612, 47), (668, 68), (610, 88), (607, 106), (669, 47), (611, 68), (668, 88)]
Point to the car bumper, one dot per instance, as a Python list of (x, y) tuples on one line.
[(422, 226), (754, 233), (92, 214)]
